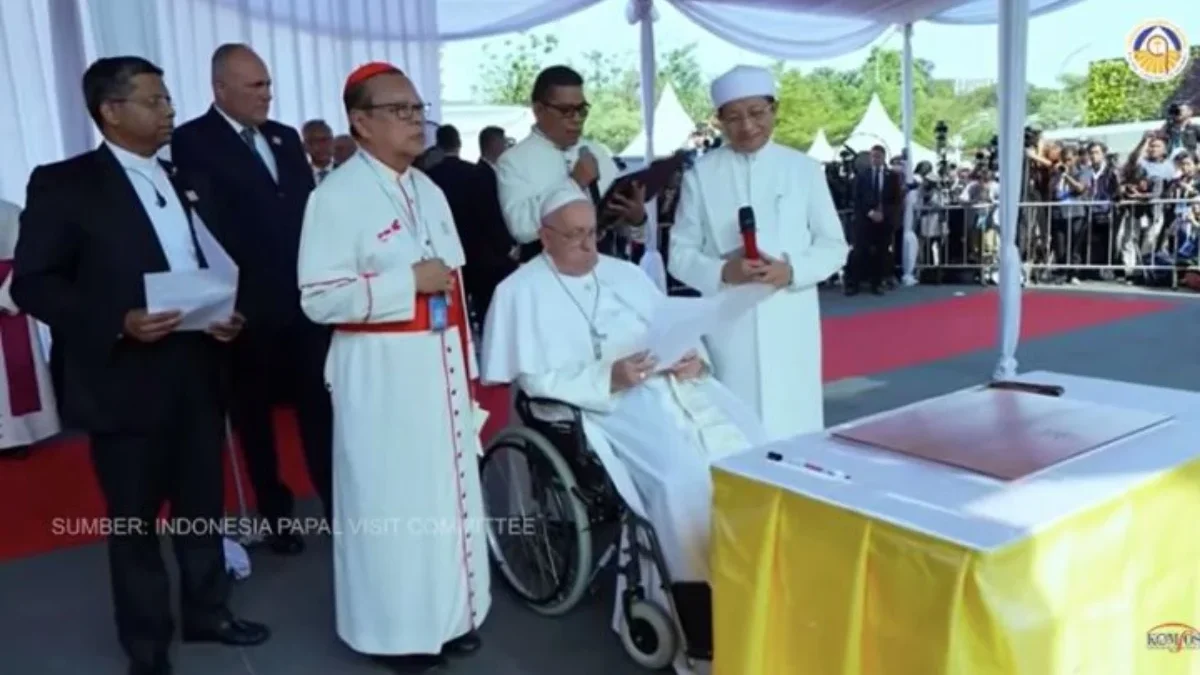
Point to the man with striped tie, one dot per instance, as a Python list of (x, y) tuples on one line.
[(259, 170), (318, 143)]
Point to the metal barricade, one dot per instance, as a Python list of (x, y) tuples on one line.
[(1144, 241)]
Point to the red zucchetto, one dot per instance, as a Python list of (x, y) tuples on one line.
[(366, 72)]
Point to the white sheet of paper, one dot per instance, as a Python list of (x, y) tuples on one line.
[(679, 323), (205, 296)]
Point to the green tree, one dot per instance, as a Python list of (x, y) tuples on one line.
[(1116, 94), (507, 78), (681, 69)]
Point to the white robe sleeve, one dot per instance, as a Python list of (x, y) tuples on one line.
[(587, 386), (826, 254), (520, 197), (687, 259), (335, 285)]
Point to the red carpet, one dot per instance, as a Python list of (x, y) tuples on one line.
[(45, 498)]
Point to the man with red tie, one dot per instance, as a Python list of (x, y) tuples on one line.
[(380, 262)]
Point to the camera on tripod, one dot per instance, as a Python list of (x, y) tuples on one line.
[(940, 131)]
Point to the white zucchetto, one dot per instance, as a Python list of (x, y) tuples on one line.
[(742, 82), (566, 193)]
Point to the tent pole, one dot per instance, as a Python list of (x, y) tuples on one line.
[(909, 243), (1014, 35)]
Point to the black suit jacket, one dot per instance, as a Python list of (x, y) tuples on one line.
[(473, 195), (85, 243), (867, 197), (265, 216)]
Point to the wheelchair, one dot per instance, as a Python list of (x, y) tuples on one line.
[(574, 509)]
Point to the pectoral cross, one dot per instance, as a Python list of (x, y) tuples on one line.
[(597, 342)]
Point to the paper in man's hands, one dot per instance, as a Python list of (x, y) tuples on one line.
[(679, 323), (204, 296)]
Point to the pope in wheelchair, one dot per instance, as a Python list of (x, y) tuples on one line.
[(607, 437)]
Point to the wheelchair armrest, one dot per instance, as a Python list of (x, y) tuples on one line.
[(526, 403)]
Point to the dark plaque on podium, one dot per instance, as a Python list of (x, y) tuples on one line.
[(1000, 433)]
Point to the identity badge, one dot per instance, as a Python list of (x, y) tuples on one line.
[(439, 312)]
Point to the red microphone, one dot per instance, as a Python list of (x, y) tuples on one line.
[(747, 227)]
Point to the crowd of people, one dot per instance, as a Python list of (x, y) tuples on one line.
[(1086, 213), (358, 276)]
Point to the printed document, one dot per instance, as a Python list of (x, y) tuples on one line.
[(204, 296), (679, 323)]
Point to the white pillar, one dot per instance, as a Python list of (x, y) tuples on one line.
[(1014, 33), (642, 13), (908, 260)]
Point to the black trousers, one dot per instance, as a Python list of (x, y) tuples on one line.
[(278, 366), (870, 261), (180, 462)]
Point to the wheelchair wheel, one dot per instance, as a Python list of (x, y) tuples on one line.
[(649, 636), (547, 558)]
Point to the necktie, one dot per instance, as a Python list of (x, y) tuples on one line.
[(879, 183), (248, 135)]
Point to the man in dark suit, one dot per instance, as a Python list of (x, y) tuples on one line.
[(472, 193), (150, 397), (259, 170), (877, 200)]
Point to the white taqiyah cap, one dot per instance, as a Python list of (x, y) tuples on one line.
[(566, 193), (742, 82)]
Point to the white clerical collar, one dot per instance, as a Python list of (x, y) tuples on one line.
[(132, 160), (238, 127), (388, 172)]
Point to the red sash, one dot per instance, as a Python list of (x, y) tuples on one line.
[(422, 321), (20, 363)]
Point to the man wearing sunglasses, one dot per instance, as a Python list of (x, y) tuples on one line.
[(555, 154)]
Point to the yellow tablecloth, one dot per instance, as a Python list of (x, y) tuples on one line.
[(801, 587)]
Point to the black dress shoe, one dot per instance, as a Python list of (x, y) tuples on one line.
[(285, 543), (230, 631), (156, 668), (411, 664), (463, 645)]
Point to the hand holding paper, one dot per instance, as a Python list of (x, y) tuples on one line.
[(200, 298), (144, 326), (677, 326), (228, 330)]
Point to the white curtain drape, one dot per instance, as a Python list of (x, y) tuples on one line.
[(310, 46), (38, 40)]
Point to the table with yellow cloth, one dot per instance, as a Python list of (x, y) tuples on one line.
[(888, 565)]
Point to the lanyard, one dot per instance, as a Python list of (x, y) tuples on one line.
[(411, 210)]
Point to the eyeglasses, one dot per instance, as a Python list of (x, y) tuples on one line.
[(401, 111), (581, 110), (157, 102)]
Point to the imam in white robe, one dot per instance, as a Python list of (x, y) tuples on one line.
[(536, 167), (28, 409), (656, 440), (771, 357), (410, 551)]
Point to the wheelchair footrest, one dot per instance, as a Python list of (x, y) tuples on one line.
[(693, 601)]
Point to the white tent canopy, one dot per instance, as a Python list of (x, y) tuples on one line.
[(877, 128), (820, 149), (312, 45), (673, 126)]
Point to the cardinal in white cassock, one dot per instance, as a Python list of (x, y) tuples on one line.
[(566, 326), (554, 155), (28, 411), (771, 356), (380, 261)]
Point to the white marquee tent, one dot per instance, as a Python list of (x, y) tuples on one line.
[(820, 149), (672, 128), (312, 45), (877, 128)]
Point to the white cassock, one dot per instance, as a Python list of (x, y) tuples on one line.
[(771, 356), (28, 410), (531, 170), (657, 440), (410, 551)]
